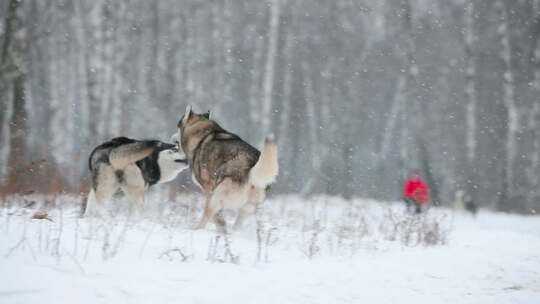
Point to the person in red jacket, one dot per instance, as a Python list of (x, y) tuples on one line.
[(415, 192)]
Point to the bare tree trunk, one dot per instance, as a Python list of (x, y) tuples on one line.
[(254, 86), (119, 52), (532, 170), (4, 129), (287, 89), (229, 60), (511, 108), (18, 129), (534, 115), (470, 88), (468, 40), (17, 139), (348, 167), (154, 61), (313, 132), (94, 68), (9, 30), (405, 7), (268, 84), (284, 131), (392, 119), (428, 171), (217, 51), (3, 113)]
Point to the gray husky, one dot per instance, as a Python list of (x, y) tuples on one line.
[(131, 166), (231, 173)]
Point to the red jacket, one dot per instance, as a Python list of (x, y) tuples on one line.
[(416, 190)]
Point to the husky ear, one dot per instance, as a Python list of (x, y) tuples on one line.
[(187, 115), (207, 115)]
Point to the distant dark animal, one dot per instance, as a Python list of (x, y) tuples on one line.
[(464, 202)]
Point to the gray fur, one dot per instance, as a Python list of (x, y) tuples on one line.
[(131, 165)]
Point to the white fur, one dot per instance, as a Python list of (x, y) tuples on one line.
[(186, 114), (108, 184), (243, 196), (133, 184), (134, 188), (91, 209), (168, 166), (458, 200), (266, 169), (176, 139)]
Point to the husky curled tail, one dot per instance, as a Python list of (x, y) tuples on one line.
[(128, 154), (266, 169)]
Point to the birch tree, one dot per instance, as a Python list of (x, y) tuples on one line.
[(533, 170), (512, 123), (13, 77), (377, 75), (470, 88), (408, 73), (269, 74)]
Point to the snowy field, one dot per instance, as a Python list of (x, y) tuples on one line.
[(321, 250)]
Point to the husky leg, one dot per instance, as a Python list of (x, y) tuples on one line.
[(209, 211), (246, 210), (256, 196), (90, 209), (133, 187), (219, 219), (136, 199), (106, 186), (102, 195)]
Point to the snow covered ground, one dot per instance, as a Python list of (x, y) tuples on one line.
[(321, 250)]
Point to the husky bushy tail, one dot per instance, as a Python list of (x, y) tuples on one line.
[(121, 152), (126, 155), (266, 169)]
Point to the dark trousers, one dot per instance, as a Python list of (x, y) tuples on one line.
[(412, 205)]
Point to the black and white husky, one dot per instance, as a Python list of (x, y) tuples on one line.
[(131, 166)]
